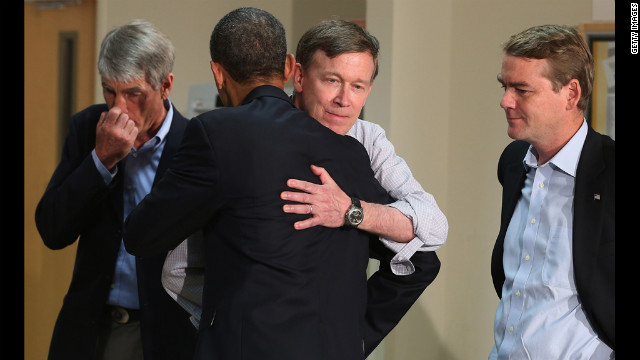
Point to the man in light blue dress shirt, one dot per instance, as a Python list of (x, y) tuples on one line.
[(139, 172), (553, 264), (116, 307)]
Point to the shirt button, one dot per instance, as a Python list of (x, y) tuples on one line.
[(511, 329), (526, 258), (533, 221), (541, 185), (518, 293)]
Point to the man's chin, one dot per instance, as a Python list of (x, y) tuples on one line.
[(514, 133)]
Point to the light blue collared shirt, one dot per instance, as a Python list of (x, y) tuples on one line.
[(139, 171), (540, 315)]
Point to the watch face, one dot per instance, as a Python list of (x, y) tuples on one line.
[(355, 216)]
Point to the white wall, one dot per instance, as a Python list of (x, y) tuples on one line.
[(437, 97), (188, 23)]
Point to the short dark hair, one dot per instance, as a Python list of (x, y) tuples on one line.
[(567, 52), (250, 44), (336, 37)]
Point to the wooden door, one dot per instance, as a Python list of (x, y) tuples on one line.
[(59, 72)]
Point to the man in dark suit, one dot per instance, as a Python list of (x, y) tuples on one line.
[(116, 307), (271, 291), (404, 272), (553, 264)]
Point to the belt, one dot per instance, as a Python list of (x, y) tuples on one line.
[(122, 315)]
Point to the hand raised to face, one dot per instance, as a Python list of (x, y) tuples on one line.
[(115, 136)]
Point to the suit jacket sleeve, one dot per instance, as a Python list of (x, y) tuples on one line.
[(390, 296), (76, 189), (173, 209)]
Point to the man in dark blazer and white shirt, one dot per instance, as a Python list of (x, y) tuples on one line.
[(271, 291), (553, 264), (116, 307)]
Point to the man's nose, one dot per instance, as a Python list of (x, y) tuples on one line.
[(120, 102), (342, 97), (507, 101)]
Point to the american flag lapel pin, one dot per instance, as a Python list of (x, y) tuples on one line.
[(596, 196)]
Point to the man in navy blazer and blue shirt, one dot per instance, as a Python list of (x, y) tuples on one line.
[(553, 264), (116, 307), (271, 291)]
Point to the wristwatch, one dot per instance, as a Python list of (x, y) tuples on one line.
[(354, 214)]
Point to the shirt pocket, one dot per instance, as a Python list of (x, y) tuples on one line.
[(557, 270)]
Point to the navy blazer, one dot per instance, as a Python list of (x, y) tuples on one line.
[(593, 226), (77, 205), (271, 292)]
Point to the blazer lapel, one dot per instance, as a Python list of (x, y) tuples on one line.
[(174, 138), (511, 176), (512, 188), (115, 194), (588, 202)]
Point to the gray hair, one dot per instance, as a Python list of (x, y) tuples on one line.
[(134, 51)]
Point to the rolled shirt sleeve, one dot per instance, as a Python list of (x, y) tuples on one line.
[(429, 222)]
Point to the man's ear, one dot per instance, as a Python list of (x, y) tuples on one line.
[(573, 94), (297, 77), (218, 74), (166, 86), (289, 65)]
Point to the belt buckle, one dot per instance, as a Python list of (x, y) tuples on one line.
[(120, 315)]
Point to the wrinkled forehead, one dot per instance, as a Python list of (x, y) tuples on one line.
[(123, 80), (126, 84)]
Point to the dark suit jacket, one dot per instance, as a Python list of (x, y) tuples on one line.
[(77, 205), (593, 226), (271, 292), (390, 296)]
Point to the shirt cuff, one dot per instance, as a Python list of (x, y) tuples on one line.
[(195, 321), (107, 176), (401, 263)]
